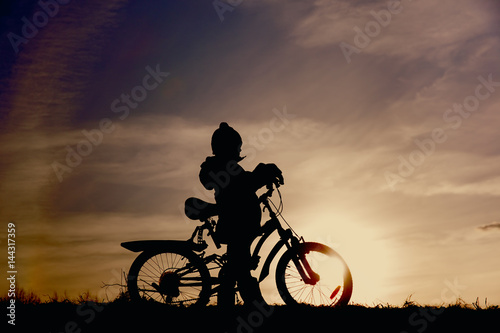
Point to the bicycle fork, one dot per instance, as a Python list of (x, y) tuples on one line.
[(308, 275)]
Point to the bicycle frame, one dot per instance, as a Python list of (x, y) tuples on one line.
[(269, 228), (286, 239)]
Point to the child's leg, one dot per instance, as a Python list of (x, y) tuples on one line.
[(242, 265)]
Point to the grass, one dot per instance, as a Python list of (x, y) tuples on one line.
[(86, 313), (28, 297)]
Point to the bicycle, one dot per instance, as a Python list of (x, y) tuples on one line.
[(179, 272)]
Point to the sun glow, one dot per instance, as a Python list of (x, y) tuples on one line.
[(371, 262), (363, 247), (367, 254)]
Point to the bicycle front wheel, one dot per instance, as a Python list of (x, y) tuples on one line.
[(174, 277), (328, 283)]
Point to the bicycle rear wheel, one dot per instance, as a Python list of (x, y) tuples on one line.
[(174, 277), (333, 286)]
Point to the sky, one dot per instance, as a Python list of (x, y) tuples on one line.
[(381, 115)]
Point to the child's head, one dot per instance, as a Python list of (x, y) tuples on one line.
[(226, 143)]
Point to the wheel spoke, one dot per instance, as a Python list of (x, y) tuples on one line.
[(329, 290), (175, 279)]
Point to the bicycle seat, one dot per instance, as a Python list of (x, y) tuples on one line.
[(197, 209)]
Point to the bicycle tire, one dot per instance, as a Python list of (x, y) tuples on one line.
[(293, 290), (169, 269)]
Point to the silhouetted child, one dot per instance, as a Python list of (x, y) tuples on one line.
[(239, 210)]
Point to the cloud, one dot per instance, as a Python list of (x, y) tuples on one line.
[(490, 226), (420, 30)]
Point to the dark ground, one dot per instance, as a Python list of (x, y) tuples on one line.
[(68, 317)]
